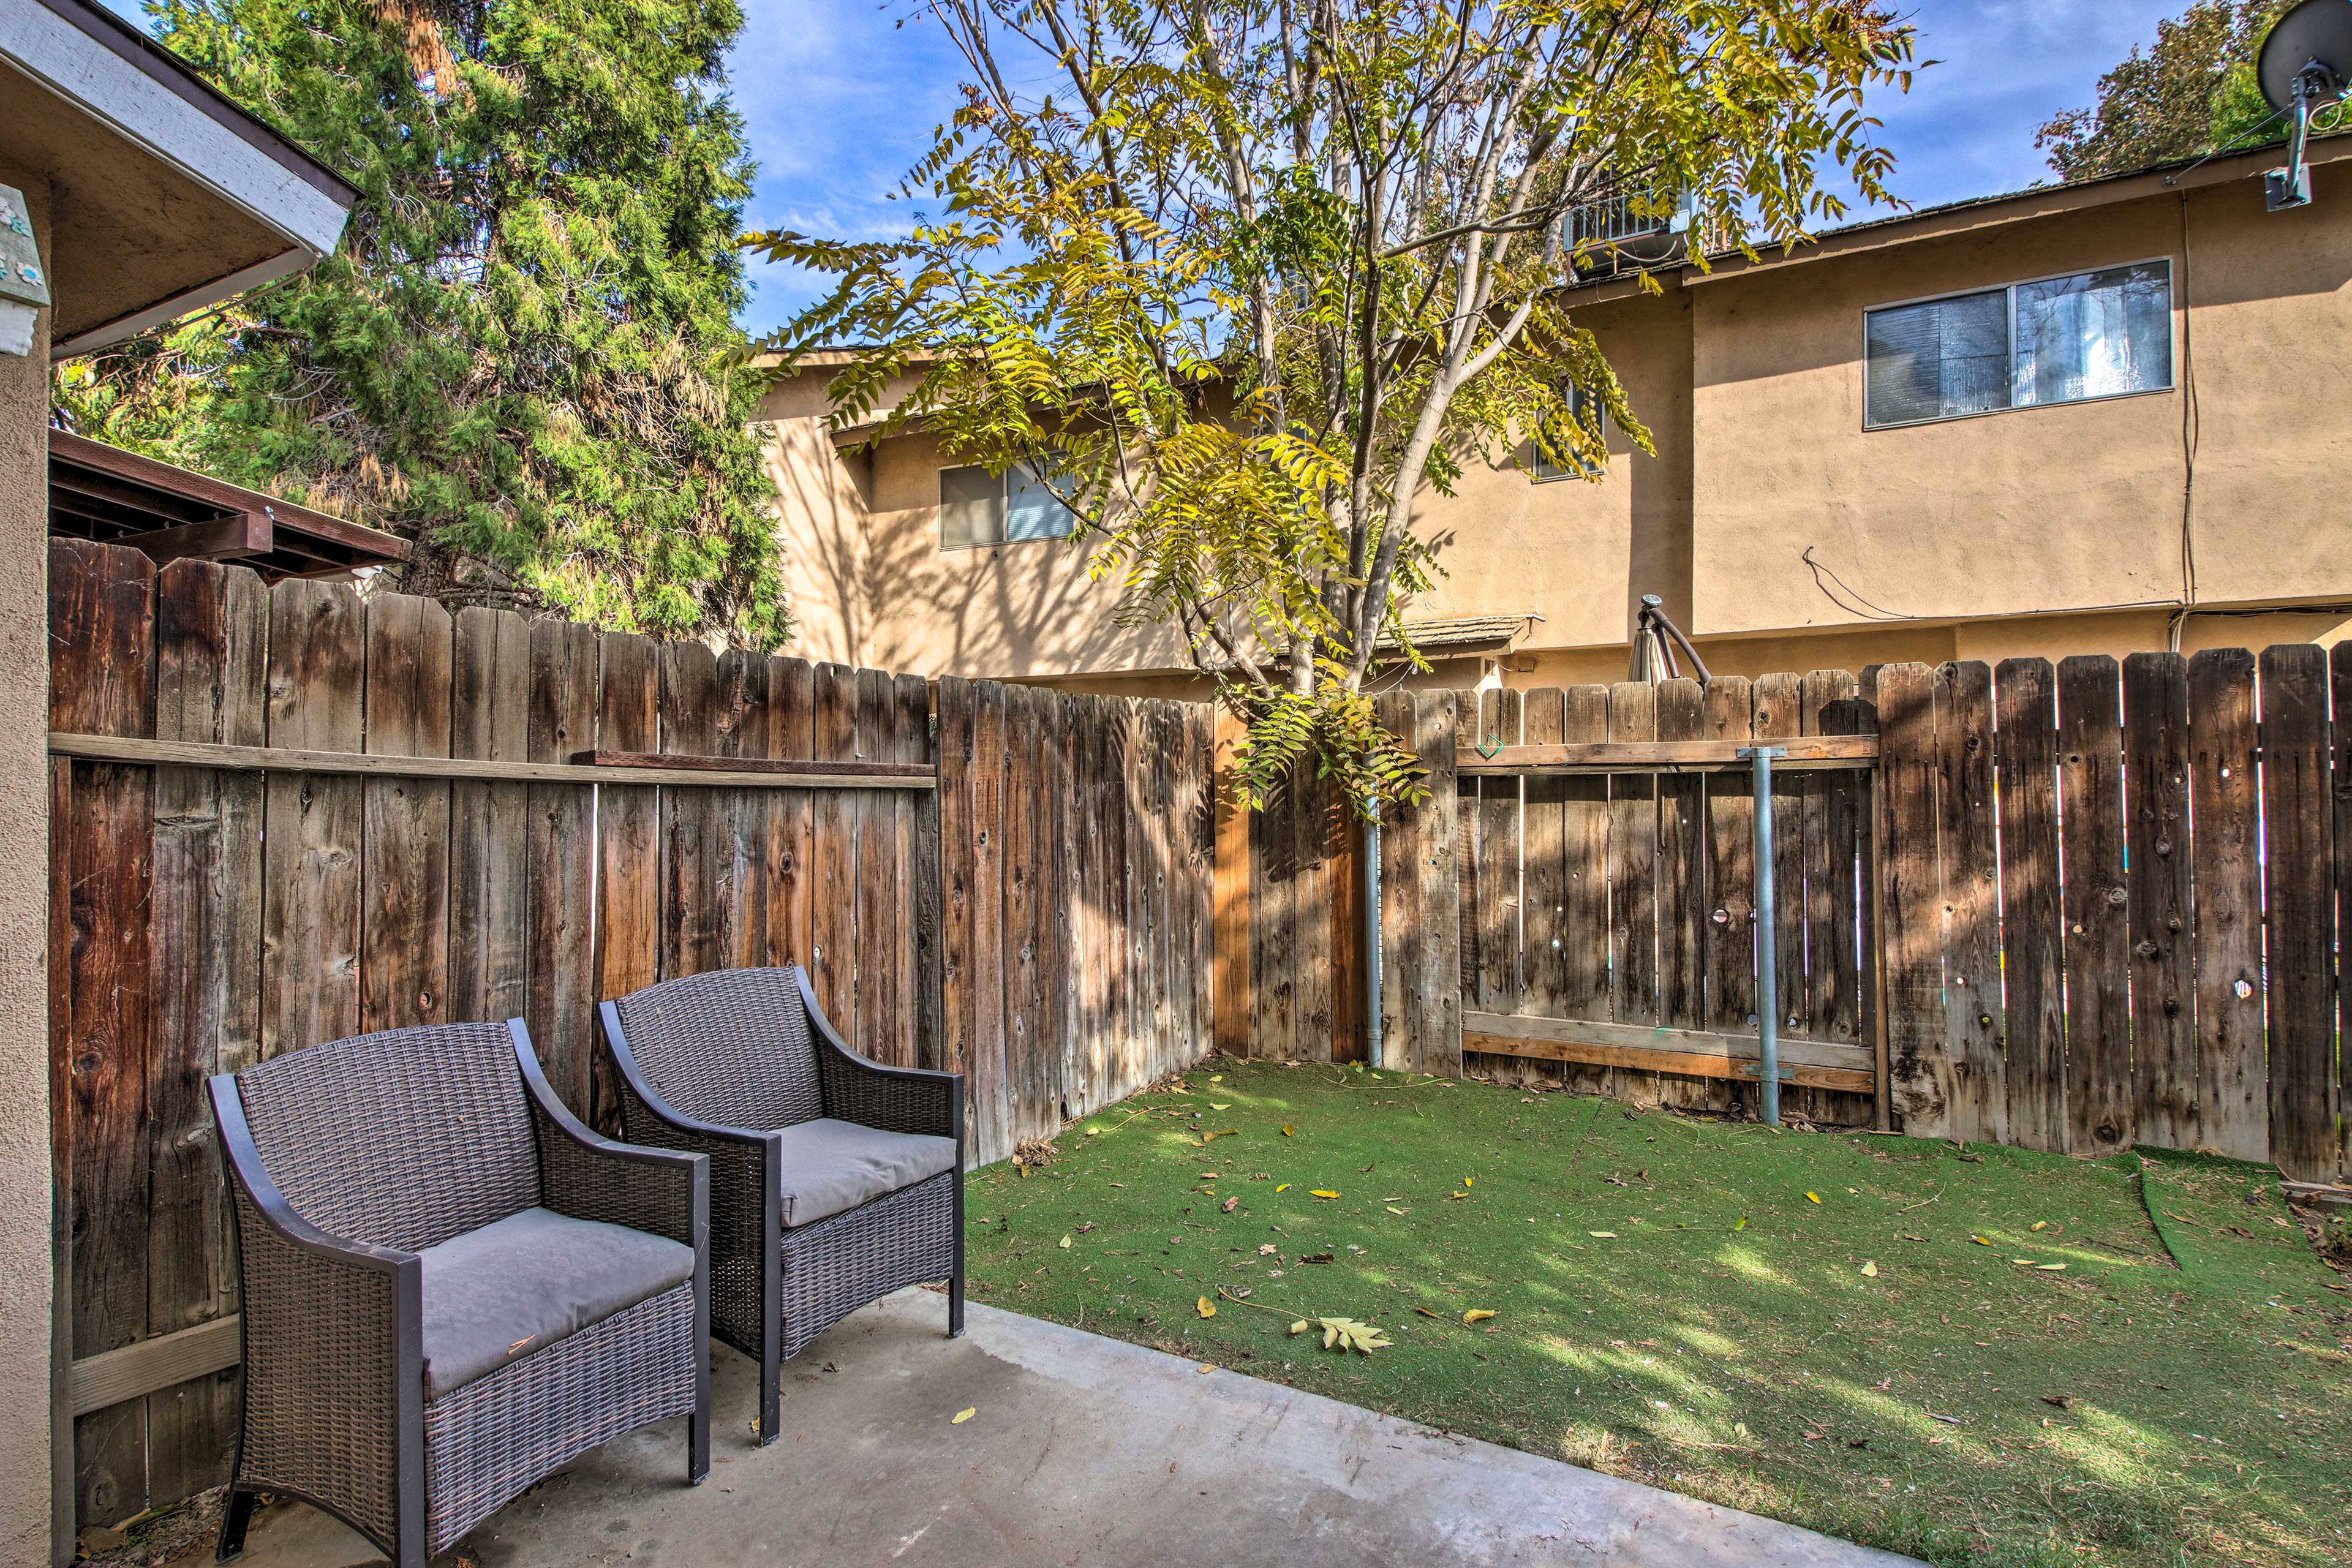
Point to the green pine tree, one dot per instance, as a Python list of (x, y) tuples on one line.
[(521, 356)]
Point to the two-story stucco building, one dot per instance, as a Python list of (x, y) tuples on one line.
[(2103, 416)]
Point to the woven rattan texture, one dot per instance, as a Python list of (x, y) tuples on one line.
[(737, 1211), (489, 1440), (854, 1091), (320, 1370), (589, 1182), (730, 1047), (836, 1265), (405, 1138)]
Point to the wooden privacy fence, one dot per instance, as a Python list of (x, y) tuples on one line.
[(282, 815), (2067, 908)]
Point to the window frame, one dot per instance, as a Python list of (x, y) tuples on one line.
[(1535, 475), (2009, 296), (1004, 514)]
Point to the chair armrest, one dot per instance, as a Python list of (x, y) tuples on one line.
[(586, 1175), (333, 1336), (896, 1099)]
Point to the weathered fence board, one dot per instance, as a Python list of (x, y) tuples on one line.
[(2032, 928), (2224, 805), (211, 913)]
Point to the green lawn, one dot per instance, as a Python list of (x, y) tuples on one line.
[(1958, 1404)]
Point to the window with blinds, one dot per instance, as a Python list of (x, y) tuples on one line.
[(1540, 466), (2070, 339), (977, 507)]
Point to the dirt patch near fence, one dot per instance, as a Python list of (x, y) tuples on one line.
[(1977, 1355)]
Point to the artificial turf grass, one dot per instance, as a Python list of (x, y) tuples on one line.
[(2205, 1416)]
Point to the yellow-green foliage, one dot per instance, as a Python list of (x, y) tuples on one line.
[(1244, 283)]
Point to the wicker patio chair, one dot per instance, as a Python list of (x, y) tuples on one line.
[(451, 1286), (834, 1179)]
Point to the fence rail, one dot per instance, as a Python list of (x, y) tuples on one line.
[(283, 814)]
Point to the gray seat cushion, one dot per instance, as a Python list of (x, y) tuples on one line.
[(830, 1166), (519, 1284)]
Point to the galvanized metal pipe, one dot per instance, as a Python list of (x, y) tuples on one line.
[(1768, 976)]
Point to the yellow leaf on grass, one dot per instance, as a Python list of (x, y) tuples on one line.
[(1476, 1315), (2050, 1268), (1205, 1307), (1063, 1243), (1320, 1193), (1604, 1234), (1220, 1107), (1870, 1270), (960, 1416), (2040, 1225), (1740, 1224), (1216, 1078), (1392, 1208), (1980, 1241), (1815, 1196), (1284, 1188), (1093, 1131), (1285, 1129), (1467, 1182), (1300, 1327)]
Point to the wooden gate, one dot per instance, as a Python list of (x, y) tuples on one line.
[(1609, 890)]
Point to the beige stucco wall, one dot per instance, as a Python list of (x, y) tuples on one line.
[(2041, 531), (2068, 507), (24, 1262)]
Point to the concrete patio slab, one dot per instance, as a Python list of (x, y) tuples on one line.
[(1083, 1451)]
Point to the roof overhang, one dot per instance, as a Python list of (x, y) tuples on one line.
[(170, 197)]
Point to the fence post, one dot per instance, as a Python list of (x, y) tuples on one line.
[(1231, 892)]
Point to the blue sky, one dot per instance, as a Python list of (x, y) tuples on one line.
[(841, 97)]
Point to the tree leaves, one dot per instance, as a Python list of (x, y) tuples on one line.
[(1344, 1335)]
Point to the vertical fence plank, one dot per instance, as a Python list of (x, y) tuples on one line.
[(956, 932), (1025, 922), (1501, 889), (833, 894), (404, 898), (1234, 893), (1403, 933), (918, 882), (1097, 1054), (103, 681), (1468, 737), (1837, 888), (489, 719), (1584, 846), (629, 875), (792, 735), (1973, 1028), (1546, 935), (1436, 1007), (2298, 813), (1918, 1074), (2100, 1111), (2156, 849), (692, 911), (2340, 683), (311, 928), (559, 870), (1273, 927), (875, 981), (740, 815), (1682, 891), (991, 1113), (204, 917), (1079, 1096), (2224, 807), (2032, 923), (1632, 870)]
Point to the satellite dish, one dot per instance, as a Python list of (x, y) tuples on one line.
[(2305, 62)]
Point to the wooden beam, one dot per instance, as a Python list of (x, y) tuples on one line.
[(1686, 1063), (233, 538), (150, 1366), (174, 480), (1805, 754), (286, 759), (1697, 1053), (664, 759)]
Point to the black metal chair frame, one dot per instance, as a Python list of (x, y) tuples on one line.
[(742, 1158), (362, 1377)]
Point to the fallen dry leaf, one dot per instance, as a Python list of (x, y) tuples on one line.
[(1205, 1307), (1476, 1315), (1320, 1193), (1870, 1270), (1815, 1196), (1284, 1188), (1214, 1107), (1740, 1224), (1604, 1234), (1285, 1129), (960, 1416), (1231, 1204), (1267, 1249), (2040, 1225), (1063, 1243)]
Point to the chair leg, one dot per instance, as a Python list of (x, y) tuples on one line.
[(234, 1519), (771, 1376), (697, 1442), (955, 1305)]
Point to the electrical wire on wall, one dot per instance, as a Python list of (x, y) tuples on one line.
[(2190, 432)]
